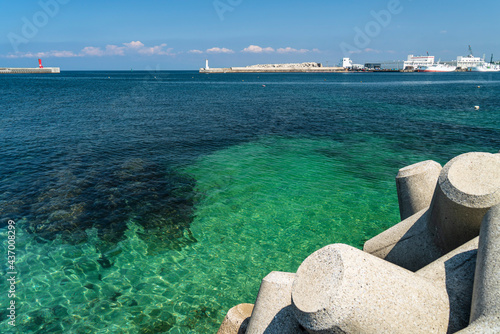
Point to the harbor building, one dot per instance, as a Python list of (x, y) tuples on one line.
[(347, 64), (469, 61), (373, 66)]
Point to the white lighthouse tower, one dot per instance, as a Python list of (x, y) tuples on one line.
[(206, 64)]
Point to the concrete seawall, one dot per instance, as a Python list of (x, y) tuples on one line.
[(273, 70), (18, 70)]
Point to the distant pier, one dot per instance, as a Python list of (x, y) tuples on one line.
[(16, 70), (269, 70), (22, 70), (275, 68)]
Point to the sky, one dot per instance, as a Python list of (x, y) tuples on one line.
[(181, 34)]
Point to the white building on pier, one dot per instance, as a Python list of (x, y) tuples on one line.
[(469, 61)]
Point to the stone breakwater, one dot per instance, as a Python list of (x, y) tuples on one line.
[(276, 68), (22, 70), (437, 271)]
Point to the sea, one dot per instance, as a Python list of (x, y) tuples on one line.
[(154, 201)]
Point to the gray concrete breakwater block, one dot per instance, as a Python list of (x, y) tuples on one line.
[(236, 320), (341, 289), (415, 186), (273, 312), (408, 244), (467, 187), (485, 310), (454, 273)]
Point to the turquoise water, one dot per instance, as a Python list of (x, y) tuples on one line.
[(154, 202)]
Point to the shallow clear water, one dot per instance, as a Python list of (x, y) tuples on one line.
[(153, 202)]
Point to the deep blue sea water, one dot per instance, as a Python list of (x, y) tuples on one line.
[(151, 202)]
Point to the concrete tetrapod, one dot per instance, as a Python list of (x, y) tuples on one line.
[(454, 273), (341, 289), (415, 185), (236, 320), (273, 313), (485, 310), (467, 187), (408, 244)]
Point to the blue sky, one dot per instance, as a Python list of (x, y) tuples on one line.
[(180, 34)]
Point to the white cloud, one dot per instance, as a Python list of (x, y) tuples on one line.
[(109, 50), (369, 50), (257, 49), (155, 50), (291, 50), (113, 50), (134, 45), (219, 50), (443, 32), (62, 54), (48, 54), (372, 50), (354, 51), (137, 47), (92, 51)]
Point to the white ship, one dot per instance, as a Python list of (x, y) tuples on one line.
[(414, 62), (486, 67), (437, 68)]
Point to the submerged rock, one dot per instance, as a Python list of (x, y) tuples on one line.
[(162, 324), (69, 202), (104, 262)]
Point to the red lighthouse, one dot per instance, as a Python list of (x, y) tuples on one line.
[(40, 63)]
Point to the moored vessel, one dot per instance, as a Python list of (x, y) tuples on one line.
[(485, 68), (437, 68)]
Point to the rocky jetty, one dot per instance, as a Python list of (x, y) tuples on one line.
[(275, 68), (290, 65), (437, 271)]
